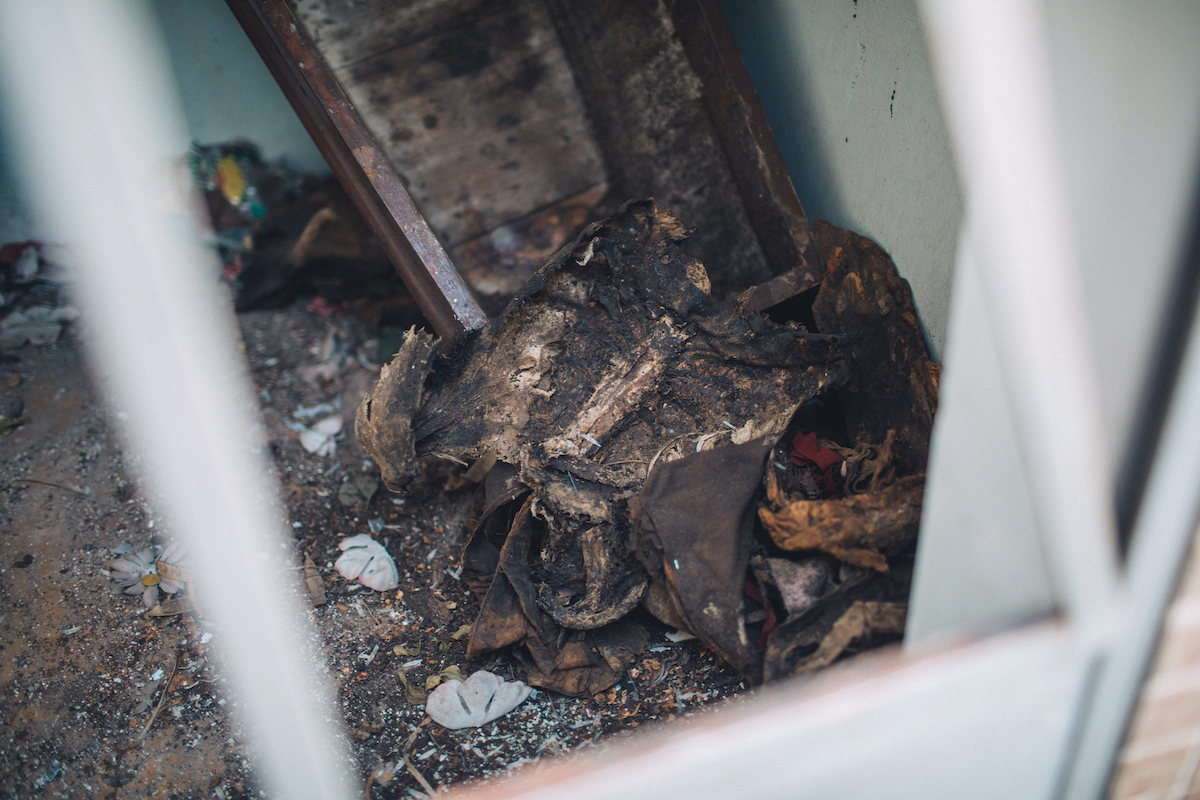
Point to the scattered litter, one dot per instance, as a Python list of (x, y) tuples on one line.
[(313, 411), (483, 697), (314, 583), (72, 630), (365, 560), (37, 325), (416, 662), (680, 636), (157, 676), (321, 439), (368, 658), (332, 353), (358, 489), (52, 773)]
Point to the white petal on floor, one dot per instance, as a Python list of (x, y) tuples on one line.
[(363, 559), (484, 697)]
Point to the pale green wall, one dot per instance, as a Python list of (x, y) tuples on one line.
[(227, 91), (227, 94), (1127, 82), (850, 97)]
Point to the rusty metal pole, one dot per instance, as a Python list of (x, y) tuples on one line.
[(360, 165)]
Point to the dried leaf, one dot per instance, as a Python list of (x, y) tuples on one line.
[(451, 672), (401, 650), (412, 692), (359, 489), (365, 560), (482, 698), (172, 572), (171, 606), (861, 529), (461, 633), (454, 672), (312, 579)]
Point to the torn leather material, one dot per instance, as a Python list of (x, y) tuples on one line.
[(632, 419), (694, 522), (612, 357), (860, 529)]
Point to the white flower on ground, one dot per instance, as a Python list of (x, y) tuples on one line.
[(139, 575)]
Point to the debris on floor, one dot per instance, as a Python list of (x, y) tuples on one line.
[(32, 310), (635, 425), (480, 699), (557, 523), (365, 560)]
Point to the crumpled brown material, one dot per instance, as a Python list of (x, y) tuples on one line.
[(693, 523), (861, 529), (631, 418), (611, 358), (864, 610), (893, 383), (574, 663)]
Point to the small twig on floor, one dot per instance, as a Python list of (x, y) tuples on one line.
[(420, 778), (161, 699), (412, 737), (76, 490), (370, 613)]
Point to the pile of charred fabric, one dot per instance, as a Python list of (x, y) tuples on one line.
[(755, 484)]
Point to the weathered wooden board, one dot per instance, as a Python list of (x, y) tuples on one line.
[(482, 120), (505, 120), (646, 106), (360, 166), (348, 31)]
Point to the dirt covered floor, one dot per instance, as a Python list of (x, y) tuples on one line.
[(98, 698)]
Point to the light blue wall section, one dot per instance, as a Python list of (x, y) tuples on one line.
[(227, 94), (16, 220), (850, 97), (227, 91)]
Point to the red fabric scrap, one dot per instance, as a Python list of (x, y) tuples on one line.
[(325, 308), (820, 461)]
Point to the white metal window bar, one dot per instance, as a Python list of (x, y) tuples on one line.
[(1036, 712)]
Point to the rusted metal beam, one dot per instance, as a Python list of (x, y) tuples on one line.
[(775, 213), (360, 165)]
